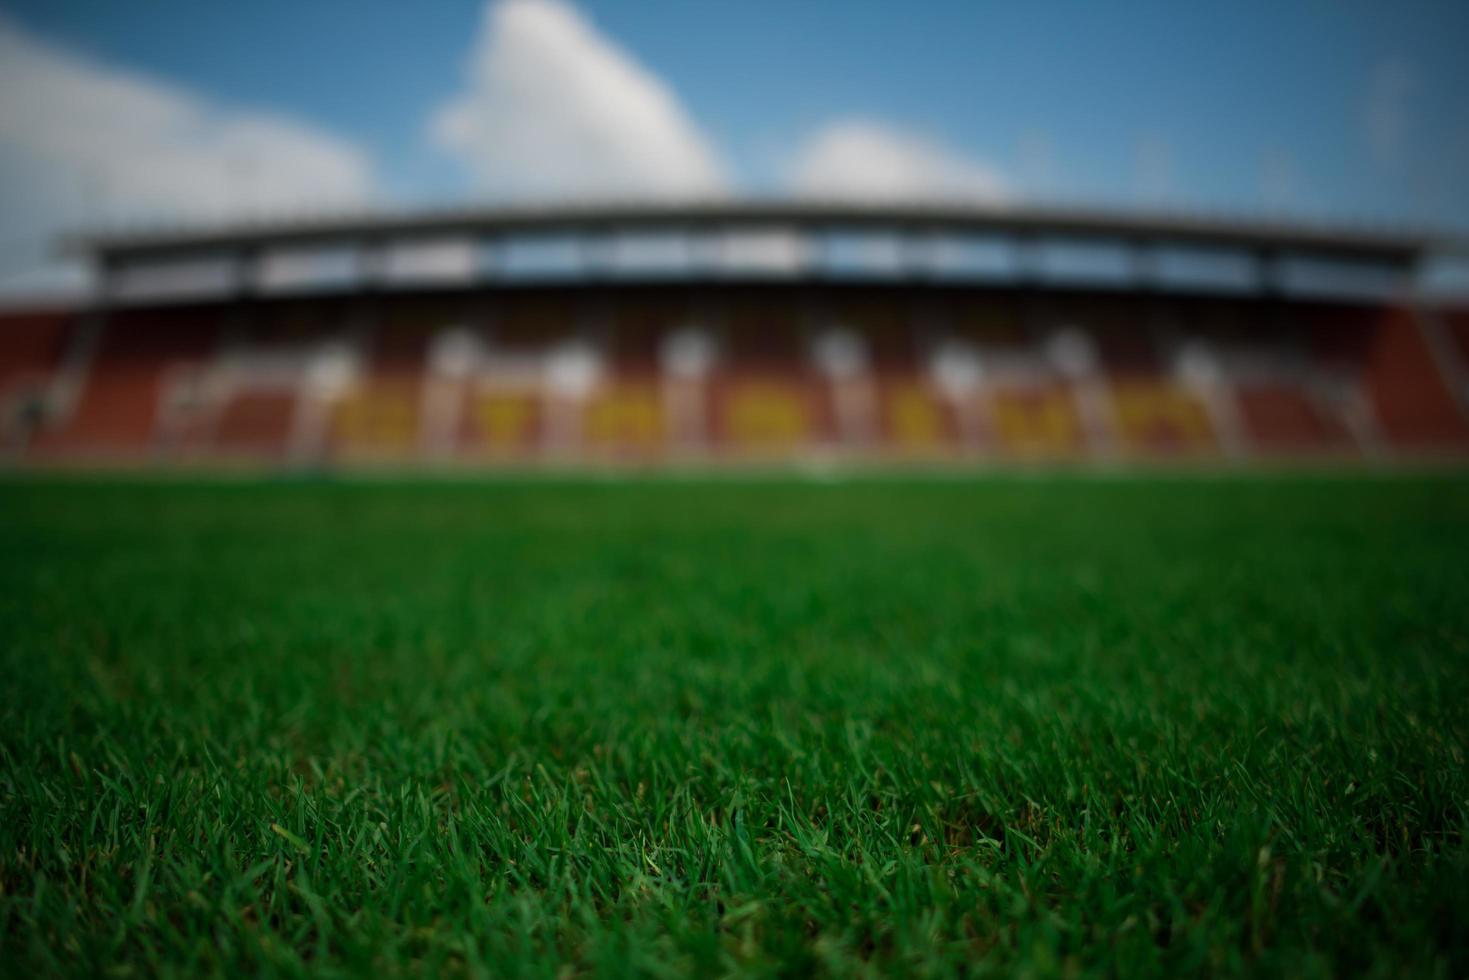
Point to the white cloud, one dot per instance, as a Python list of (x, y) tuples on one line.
[(551, 106), (1387, 112), (83, 142), (865, 159)]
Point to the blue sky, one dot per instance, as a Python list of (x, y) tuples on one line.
[(1343, 110)]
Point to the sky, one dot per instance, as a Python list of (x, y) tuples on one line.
[(171, 110)]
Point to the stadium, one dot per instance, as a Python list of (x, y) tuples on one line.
[(742, 331), (550, 489)]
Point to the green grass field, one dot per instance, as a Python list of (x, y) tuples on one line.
[(1054, 725)]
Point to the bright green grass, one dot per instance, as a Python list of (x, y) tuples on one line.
[(1067, 725)]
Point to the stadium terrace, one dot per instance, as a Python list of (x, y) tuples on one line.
[(741, 330)]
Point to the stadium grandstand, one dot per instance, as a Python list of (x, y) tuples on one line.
[(740, 330)]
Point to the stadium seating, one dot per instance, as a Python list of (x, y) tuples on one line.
[(116, 411), (767, 398), (763, 415), (914, 420), (254, 424), (1414, 404), (31, 348), (1159, 418), (501, 421), (1457, 323), (775, 372), (1038, 420), (625, 418), (1283, 419)]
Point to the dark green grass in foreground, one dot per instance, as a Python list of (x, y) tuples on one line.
[(1065, 725)]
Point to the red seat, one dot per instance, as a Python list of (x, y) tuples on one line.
[(117, 410), (1279, 417)]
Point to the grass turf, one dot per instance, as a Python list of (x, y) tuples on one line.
[(1063, 725)]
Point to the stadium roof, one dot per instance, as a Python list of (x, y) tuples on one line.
[(1391, 245)]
